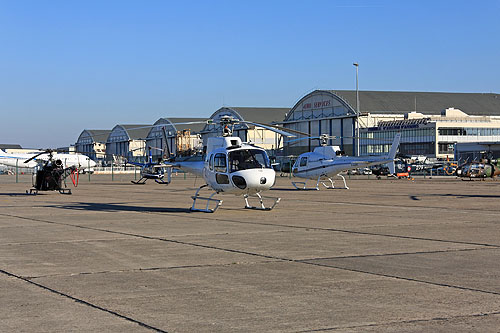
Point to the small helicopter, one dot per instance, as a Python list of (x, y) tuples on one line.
[(327, 161), (51, 173), (234, 167), (152, 170)]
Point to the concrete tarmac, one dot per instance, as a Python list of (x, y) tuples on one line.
[(385, 256)]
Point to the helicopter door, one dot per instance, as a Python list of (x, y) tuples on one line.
[(220, 168)]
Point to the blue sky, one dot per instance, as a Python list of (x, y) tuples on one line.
[(70, 65)]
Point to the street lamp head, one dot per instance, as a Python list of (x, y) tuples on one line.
[(356, 64)]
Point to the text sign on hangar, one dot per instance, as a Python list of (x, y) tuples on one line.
[(394, 127), (316, 105)]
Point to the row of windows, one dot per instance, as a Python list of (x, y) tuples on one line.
[(405, 133), (470, 131), (421, 148), (336, 111)]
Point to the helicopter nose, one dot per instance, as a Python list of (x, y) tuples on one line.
[(254, 180)]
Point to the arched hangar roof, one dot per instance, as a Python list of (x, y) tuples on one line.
[(392, 102), (320, 104), (91, 135), (387, 102), (175, 124), (121, 133), (265, 115)]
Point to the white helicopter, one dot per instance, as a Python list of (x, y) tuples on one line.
[(327, 161), (232, 166)]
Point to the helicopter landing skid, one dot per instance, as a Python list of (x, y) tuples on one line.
[(321, 180), (262, 207), (34, 191), (141, 181), (208, 200)]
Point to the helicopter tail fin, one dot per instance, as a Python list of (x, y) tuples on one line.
[(392, 168), (392, 153), (394, 147)]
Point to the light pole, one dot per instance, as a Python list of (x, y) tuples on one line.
[(357, 109)]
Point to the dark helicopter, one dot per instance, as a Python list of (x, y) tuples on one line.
[(155, 170), (50, 175), (487, 167)]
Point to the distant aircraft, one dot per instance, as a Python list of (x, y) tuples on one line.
[(79, 161), (486, 168), (324, 162)]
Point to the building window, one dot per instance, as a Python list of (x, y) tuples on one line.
[(446, 148)]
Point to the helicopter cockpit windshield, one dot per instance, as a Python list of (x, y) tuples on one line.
[(244, 159)]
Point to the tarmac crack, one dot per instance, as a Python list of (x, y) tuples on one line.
[(414, 321), (402, 278), (144, 269), (81, 301), (395, 254)]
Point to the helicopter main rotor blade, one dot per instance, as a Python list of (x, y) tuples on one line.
[(284, 133), (35, 156)]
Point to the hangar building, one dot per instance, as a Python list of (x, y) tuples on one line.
[(92, 143), (431, 122), (182, 138), (127, 141)]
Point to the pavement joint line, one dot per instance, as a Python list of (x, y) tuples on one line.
[(414, 321), (395, 254), (396, 207), (404, 278), (149, 269), (276, 258), (266, 224), (81, 301), (64, 241)]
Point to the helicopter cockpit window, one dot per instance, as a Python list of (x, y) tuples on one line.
[(303, 161), (220, 162), (211, 162), (248, 159)]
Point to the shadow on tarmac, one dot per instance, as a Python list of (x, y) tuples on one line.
[(100, 207), (283, 189), (19, 194), (461, 196)]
